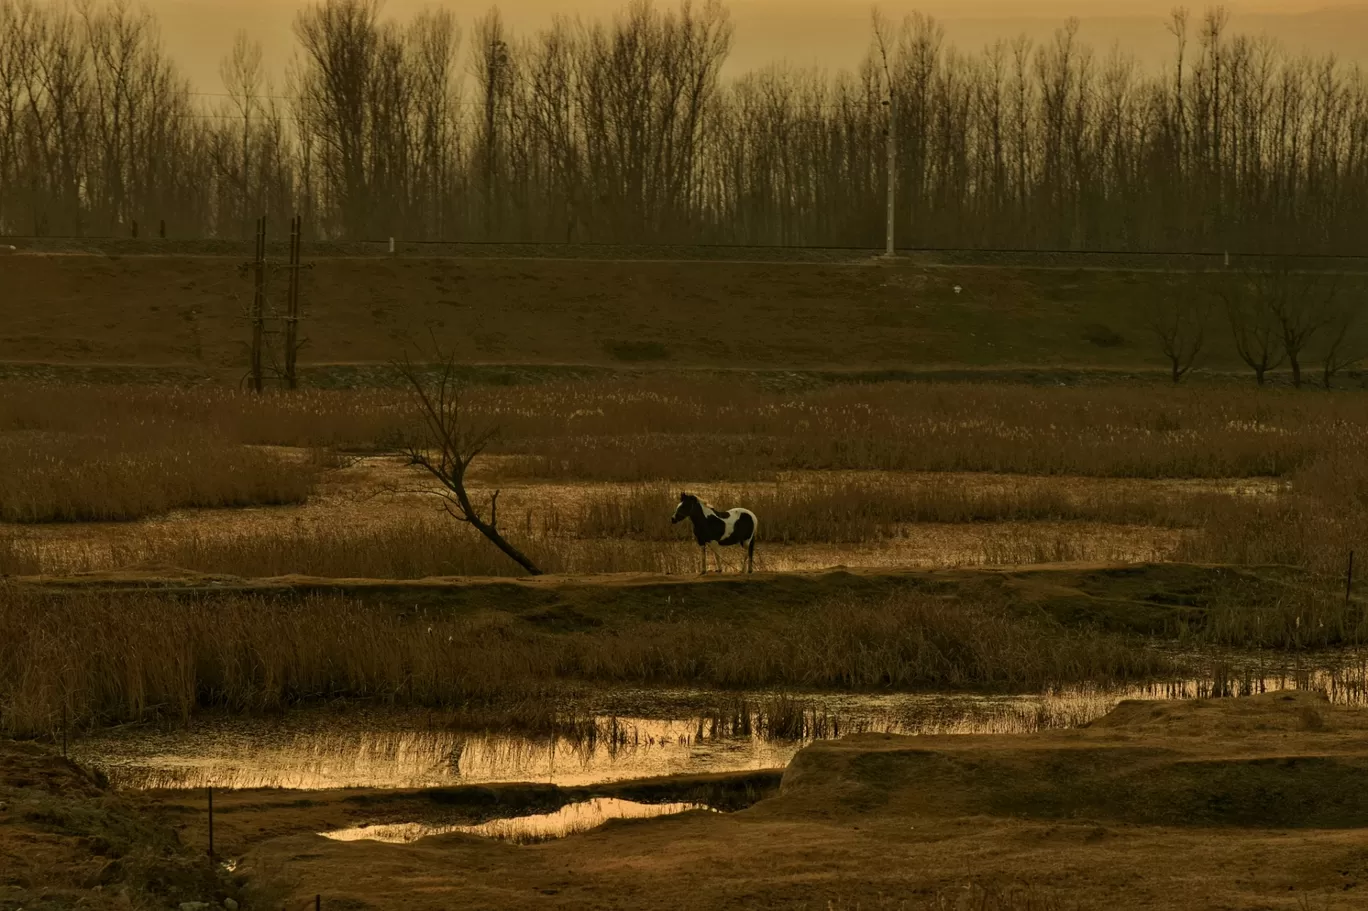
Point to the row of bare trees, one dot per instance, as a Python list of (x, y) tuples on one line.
[(625, 131), (1286, 313)]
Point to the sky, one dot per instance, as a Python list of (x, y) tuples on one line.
[(829, 33)]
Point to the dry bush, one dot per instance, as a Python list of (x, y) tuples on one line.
[(110, 657), (130, 472)]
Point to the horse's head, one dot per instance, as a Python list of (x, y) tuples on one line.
[(687, 504)]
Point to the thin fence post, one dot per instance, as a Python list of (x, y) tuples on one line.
[(211, 821), (318, 902)]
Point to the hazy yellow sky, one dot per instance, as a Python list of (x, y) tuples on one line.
[(831, 33)]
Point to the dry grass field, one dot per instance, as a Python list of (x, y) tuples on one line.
[(170, 548), (72, 310), (897, 474), (892, 477)]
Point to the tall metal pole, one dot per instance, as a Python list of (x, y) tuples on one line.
[(890, 130)]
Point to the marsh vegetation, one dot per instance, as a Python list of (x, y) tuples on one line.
[(589, 471)]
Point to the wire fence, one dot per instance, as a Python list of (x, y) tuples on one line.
[(1128, 260)]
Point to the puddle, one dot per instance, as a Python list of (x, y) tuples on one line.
[(570, 819), (633, 734)]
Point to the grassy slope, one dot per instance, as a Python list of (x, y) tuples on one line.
[(186, 310)]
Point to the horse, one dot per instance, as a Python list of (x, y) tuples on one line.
[(735, 526)]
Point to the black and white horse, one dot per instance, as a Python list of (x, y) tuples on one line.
[(735, 526)]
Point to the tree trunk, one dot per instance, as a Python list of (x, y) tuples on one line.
[(490, 529)]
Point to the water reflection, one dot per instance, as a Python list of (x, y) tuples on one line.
[(634, 734), (521, 830)]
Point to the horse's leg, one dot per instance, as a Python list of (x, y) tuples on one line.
[(750, 555), (717, 558), (705, 561)]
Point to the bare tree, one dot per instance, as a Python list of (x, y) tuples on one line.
[(493, 70), (1343, 344), (1179, 321), (1301, 304), (340, 41), (445, 444), (1257, 335), (627, 129), (241, 72)]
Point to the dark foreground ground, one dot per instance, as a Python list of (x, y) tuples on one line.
[(1232, 803)]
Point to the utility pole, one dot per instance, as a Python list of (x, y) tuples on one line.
[(881, 37), (292, 305), (259, 305), (890, 131)]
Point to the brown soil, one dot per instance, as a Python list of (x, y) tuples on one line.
[(185, 310), (67, 840), (1232, 803), (1250, 803)]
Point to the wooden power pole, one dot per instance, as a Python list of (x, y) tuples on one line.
[(259, 305), (292, 305)]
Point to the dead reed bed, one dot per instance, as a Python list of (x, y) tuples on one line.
[(722, 434), (858, 511), (95, 658), (353, 419), (1315, 525), (130, 472), (703, 429), (423, 547), (413, 547)]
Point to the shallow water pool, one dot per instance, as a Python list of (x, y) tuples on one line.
[(624, 734)]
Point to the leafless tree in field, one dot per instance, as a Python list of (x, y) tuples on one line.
[(1179, 321), (1301, 303), (1253, 326), (445, 444), (1343, 344)]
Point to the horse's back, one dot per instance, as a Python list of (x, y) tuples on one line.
[(743, 524)]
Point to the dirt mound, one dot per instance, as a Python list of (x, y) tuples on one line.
[(1287, 712), (67, 840), (1203, 763)]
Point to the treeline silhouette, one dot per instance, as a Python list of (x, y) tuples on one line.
[(624, 131)]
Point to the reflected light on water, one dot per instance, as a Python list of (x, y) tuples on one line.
[(648, 734), (570, 819)]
